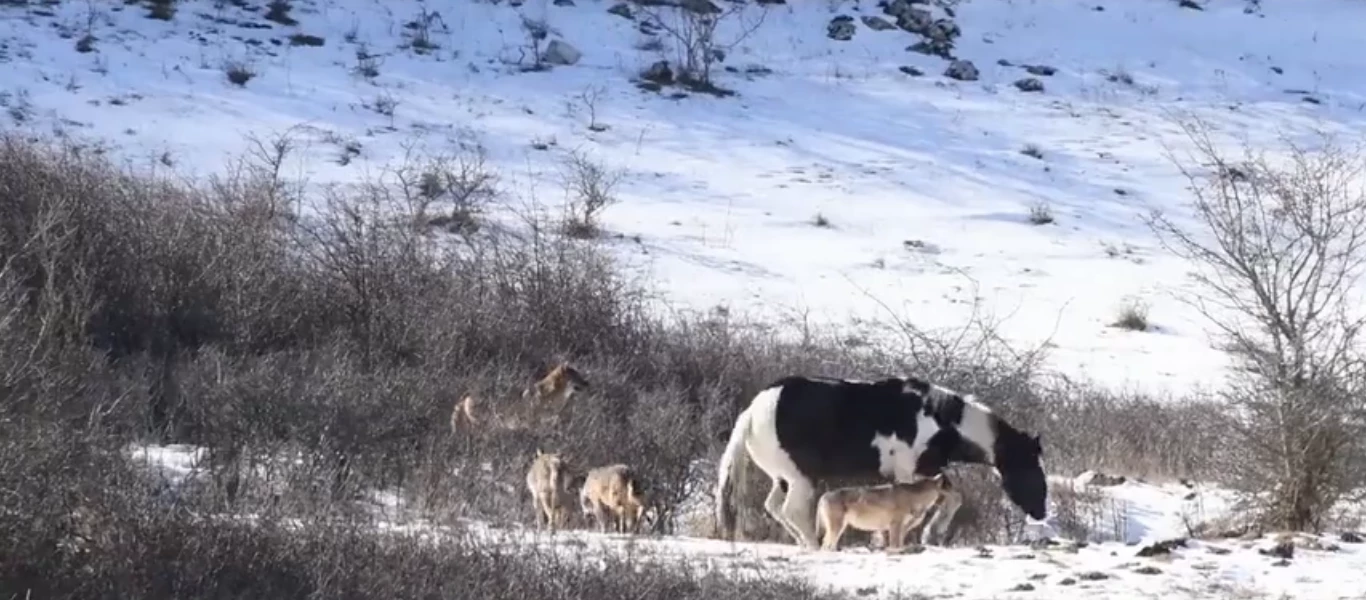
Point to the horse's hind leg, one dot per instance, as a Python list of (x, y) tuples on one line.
[(798, 508), (774, 505)]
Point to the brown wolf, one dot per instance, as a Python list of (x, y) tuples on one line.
[(893, 508), (545, 479), (612, 489), (557, 386)]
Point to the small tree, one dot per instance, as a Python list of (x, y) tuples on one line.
[(693, 25), (591, 188), (1277, 271)]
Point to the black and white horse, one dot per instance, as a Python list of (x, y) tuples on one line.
[(801, 430)]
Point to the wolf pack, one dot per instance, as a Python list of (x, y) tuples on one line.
[(880, 446)]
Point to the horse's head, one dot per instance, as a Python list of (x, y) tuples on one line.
[(1018, 462)]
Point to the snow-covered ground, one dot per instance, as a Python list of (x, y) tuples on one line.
[(921, 178), (1124, 518)]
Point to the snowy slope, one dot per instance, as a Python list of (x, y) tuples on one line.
[(721, 193)]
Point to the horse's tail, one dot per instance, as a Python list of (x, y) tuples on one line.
[(725, 505)]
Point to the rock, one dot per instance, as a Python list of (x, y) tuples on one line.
[(909, 70), (1096, 478), (1190, 4), (1023, 587), (559, 52), (1163, 547), (1218, 550), (701, 7), (1351, 537), (564, 2), (1067, 581), (1093, 576), (621, 9), (1004, 62), (1148, 570), (1029, 84), (915, 20), (1040, 70), (659, 73), (877, 23), (1284, 550), (962, 70), (930, 48), (943, 30), (841, 28), (770, 1)]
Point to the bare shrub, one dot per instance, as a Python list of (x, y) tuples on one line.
[(1133, 315), (317, 355), (591, 187), (1041, 213), (1280, 256), (693, 28), (238, 72)]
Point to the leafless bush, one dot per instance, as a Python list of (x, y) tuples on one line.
[(1133, 315), (462, 178), (591, 187), (693, 28), (1280, 256), (318, 356)]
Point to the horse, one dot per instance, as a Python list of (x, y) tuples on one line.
[(801, 430)]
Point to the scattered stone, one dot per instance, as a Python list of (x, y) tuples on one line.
[(1005, 63), (1278, 70), (1040, 70), (701, 7), (962, 70), (1161, 548), (1219, 550), (564, 2), (1351, 537), (1093, 576), (1311, 100), (771, 1), (621, 9), (1029, 84), (909, 70), (841, 28), (1099, 479), (1191, 4), (559, 52), (1038, 577), (659, 73), (1282, 550), (930, 48), (1148, 570), (1067, 581), (876, 23), (1023, 587)]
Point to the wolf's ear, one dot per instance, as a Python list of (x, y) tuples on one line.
[(938, 477), (538, 452)]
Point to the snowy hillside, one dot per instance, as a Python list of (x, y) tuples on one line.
[(835, 181)]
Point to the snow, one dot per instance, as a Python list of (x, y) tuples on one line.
[(1323, 568), (720, 194)]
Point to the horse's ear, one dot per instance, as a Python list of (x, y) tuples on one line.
[(538, 452)]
